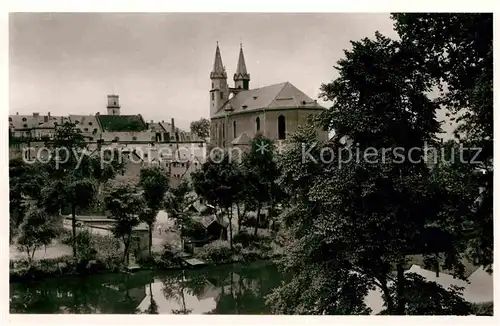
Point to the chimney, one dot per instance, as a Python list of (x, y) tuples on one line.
[(173, 127), (97, 113), (48, 114)]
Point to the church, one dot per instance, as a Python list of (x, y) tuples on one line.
[(238, 113)]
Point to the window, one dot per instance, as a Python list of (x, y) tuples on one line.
[(24, 119), (90, 123), (257, 124), (25, 125), (281, 127), (213, 96), (134, 138), (86, 129), (212, 85), (94, 131), (10, 119), (114, 103), (221, 95), (223, 130), (234, 129), (182, 165), (77, 122)]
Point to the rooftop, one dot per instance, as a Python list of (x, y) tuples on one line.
[(122, 122), (277, 96)]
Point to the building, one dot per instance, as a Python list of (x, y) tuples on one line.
[(141, 143), (238, 113)]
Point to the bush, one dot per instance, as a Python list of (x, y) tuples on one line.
[(216, 252), (22, 270), (483, 309), (251, 241), (168, 258), (96, 253)]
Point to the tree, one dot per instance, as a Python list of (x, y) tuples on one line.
[(219, 183), (125, 203), (26, 182), (37, 229), (153, 306), (176, 201), (260, 174), (458, 52), (356, 216), (201, 128), (76, 175), (69, 171), (154, 184)]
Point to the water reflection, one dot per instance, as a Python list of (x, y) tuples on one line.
[(236, 289)]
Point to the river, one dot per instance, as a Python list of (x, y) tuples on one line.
[(225, 289)]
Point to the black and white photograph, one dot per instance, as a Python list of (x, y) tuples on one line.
[(238, 163)]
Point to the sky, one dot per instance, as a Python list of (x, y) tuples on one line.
[(159, 64)]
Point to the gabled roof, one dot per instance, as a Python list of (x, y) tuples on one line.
[(277, 96), (34, 121), (122, 122)]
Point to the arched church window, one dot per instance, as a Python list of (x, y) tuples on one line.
[(234, 129), (257, 124), (212, 85), (281, 127), (213, 97), (223, 130)]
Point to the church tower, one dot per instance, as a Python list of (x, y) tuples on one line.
[(219, 93), (113, 105), (241, 77)]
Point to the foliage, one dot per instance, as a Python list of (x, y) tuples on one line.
[(37, 229), (219, 183), (483, 309), (429, 298), (154, 184), (201, 128), (216, 252), (259, 173), (360, 215), (26, 182), (125, 203), (460, 56), (247, 240)]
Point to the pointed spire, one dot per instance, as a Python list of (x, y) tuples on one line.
[(242, 68), (218, 70)]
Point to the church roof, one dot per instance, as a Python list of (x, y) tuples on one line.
[(277, 96)]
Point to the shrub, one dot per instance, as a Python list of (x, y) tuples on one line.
[(22, 270), (483, 309), (251, 241), (251, 254), (216, 252)]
